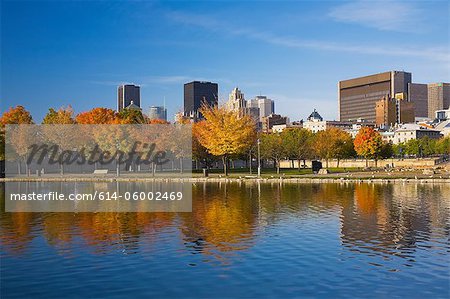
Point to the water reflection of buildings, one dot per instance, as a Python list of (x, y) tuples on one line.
[(226, 218), (394, 218)]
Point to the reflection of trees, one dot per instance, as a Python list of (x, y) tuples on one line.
[(15, 231), (385, 219), (222, 221)]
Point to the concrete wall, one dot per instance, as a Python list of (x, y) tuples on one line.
[(416, 163)]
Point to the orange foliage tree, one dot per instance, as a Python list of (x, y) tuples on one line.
[(96, 116), (368, 144), (14, 116)]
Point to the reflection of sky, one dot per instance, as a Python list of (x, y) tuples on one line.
[(306, 242)]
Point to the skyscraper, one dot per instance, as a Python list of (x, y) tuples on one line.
[(157, 112), (357, 97), (418, 94), (438, 98), (266, 106), (197, 92), (126, 94), (236, 101)]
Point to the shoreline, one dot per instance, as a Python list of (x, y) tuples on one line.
[(340, 179)]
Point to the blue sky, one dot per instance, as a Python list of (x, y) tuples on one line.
[(56, 53)]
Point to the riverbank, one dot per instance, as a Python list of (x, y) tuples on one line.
[(366, 176)]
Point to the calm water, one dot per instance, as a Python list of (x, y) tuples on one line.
[(242, 240)]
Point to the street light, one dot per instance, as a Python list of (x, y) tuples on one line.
[(259, 159)]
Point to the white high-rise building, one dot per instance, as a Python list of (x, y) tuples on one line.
[(236, 101), (266, 106)]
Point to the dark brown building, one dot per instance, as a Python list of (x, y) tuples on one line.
[(196, 93), (126, 94), (357, 97), (394, 111), (273, 119), (418, 94), (438, 98)]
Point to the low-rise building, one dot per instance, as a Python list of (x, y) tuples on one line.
[(408, 132), (315, 123), (388, 136), (273, 119), (442, 115)]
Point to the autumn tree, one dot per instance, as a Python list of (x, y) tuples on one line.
[(96, 116), (298, 144), (272, 147), (226, 133), (131, 116), (333, 143), (368, 144), (62, 116), (56, 133), (17, 115), (14, 116), (199, 152)]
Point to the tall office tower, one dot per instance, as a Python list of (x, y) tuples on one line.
[(157, 112), (126, 94), (438, 98), (236, 101), (391, 111), (418, 94), (266, 106), (195, 93), (357, 97)]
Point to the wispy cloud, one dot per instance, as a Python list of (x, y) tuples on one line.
[(435, 53), (380, 14)]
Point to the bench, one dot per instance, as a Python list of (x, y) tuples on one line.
[(101, 171)]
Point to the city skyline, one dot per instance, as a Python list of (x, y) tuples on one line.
[(56, 54)]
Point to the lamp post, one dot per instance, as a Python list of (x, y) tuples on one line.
[(259, 159)]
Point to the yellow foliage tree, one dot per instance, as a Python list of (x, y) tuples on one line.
[(225, 133)]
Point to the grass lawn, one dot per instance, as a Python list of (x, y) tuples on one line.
[(269, 172)]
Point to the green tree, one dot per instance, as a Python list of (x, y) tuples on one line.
[(443, 146), (273, 147), (298, 144)]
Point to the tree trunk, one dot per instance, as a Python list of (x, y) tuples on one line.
[(19, 169), (181, 165), (278, 166), (337, 163), (62, 169), (367, 163), (225, 168), (117, 168), (250, 162), (376, 163), (326, 162), (27, 168), (299, 167)]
